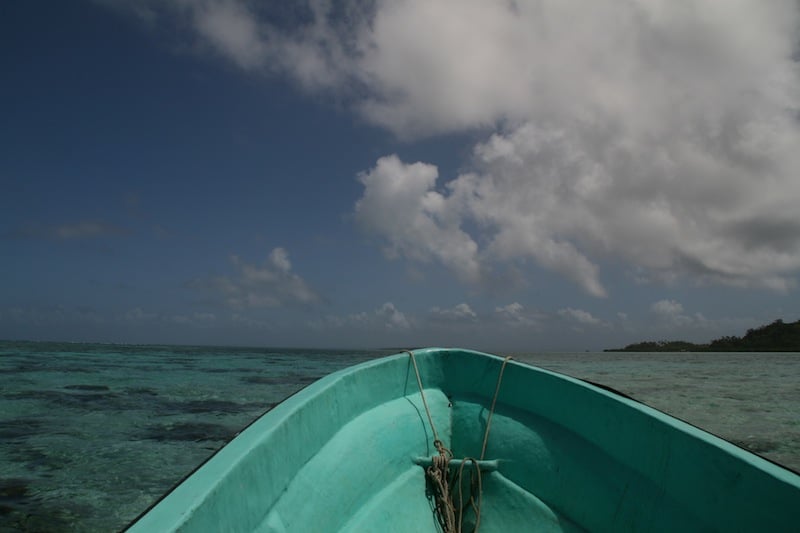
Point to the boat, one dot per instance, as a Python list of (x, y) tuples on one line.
[(457, 440)]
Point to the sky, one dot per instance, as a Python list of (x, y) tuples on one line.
[(531, 175)]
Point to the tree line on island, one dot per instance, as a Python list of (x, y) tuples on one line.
[(778, 336)]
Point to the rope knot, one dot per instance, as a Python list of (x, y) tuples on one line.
[(443, 451), (451, 519)]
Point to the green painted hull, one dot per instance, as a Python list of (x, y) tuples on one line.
[(342, 455)]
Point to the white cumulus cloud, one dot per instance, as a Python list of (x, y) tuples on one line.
[(387, 317), (515, 314), (580, 316), (654, 134), (671, 313), (392, 317), (232, 29), (401, 205), (458, 313), (645, 133), (272, 284)]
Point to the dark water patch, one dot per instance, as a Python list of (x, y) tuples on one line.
[(23, 368), (13, 494), (306, 380), (19, 428), (100, 397), (224, 407), (76, 370), (81, 400), (93, 388), (23, 511), (215, 370), (757, 444), (738, 396), (13, 370), (41, 395), (280, 380), (44, 519), (151, 369), (212, 406), (754, 409), (37, 460), (140, 391), (94, 400), (262, 380), (20, 381), (186, 362), (189, 431)]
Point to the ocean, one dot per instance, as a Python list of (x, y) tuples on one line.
[(92, 434)]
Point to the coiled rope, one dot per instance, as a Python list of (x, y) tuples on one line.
[(438, 473)]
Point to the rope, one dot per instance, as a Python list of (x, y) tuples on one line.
[(438, 472), (445, 511), (494, 401), (424, 403), (475, 488)]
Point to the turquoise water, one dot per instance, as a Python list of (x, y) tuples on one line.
[(91, 435)]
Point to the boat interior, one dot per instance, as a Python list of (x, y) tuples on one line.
[(350, 453)]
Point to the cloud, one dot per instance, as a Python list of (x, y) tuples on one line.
[(649, 134), (386, 317), (515, 314), (316, 42), (458, 313), (671, 314), (471, 63), (232, 30), (580, 316), (392, 318), (401, 206), (272, 284), (634, 133), (461, 318), (667, 308)]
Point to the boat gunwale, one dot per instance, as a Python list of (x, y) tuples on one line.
[(293, 403)]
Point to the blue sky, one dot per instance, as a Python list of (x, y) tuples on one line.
[(551, 175)]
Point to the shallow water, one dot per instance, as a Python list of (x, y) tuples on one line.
[(91, 435)]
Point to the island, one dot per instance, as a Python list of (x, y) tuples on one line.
[(779, 336)]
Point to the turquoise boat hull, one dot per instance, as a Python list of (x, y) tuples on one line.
[(347, 454)]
